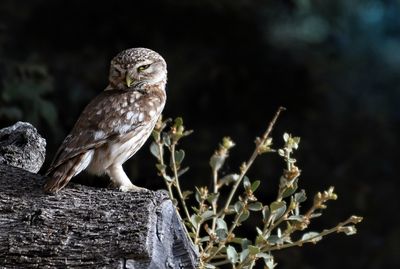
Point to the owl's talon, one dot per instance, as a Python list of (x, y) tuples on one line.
[(131, 188)]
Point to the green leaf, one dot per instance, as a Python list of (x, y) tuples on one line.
[(156, 135), (221, 224), (315, 215), (182, 171), (230, 210), (263, 255), (266, 213), (290, 190), (226, 180), (268, 260), (253, 250), (155, 150), (298, 218), (296, 139), (257, 206), (300, 196), (245, 243), (260, 239), (166, 139), (274, 240), (207, 215), (186, 194), (270, 264), (222, 234), (239, 206), (197, 195), (232, 254), (178, 122), (278, 208), (244, 216), (195, 209), (195, 220), (212, 197), (246, 183), (205, 239), (161, 167), (244, 254), (179, 155), (227, 142), (237, 240), (349, 230), (188, 132), (216, 162), (168, 178), (255, 185), (311, 237)]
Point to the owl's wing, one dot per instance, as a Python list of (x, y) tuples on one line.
[(110, 114)]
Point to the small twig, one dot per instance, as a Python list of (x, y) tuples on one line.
[(251, 160), (163, 173), (169, 184), (176, 181), (310, 239), (197, 233), (214, 202)]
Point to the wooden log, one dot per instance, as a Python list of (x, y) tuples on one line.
[(86, 227)]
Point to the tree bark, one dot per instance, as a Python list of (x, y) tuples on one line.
[(85, 227)]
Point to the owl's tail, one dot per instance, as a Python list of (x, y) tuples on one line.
[(62, 174)]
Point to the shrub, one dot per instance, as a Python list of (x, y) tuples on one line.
[(211, 224)]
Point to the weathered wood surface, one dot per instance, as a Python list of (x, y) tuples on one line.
[(84, 227), (22, 146)]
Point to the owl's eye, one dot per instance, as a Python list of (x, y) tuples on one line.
[(143, 67)]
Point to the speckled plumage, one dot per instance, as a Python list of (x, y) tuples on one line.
[(115, 124)]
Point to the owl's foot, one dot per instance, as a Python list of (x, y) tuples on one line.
[(120, 180), (131, 188)]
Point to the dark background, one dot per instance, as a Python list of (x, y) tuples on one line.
[(335, 65)]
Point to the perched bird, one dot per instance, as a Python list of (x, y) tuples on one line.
[(115, 124)]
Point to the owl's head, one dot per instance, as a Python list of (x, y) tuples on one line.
[(133, 68)]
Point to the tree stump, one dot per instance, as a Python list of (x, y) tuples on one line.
[(85, 227)]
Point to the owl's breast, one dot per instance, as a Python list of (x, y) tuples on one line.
[(134, 124), (138, 108)]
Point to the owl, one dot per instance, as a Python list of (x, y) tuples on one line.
[(115, 124)]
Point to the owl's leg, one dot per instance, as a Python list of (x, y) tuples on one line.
[(120, 179)]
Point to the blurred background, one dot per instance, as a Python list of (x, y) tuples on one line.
[(335, 65)]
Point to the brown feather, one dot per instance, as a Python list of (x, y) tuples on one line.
[(82, 138), (60, 177)]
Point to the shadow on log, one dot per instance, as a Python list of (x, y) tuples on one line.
[(84, 227)]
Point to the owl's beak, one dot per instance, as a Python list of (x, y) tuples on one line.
[(129, 81)]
